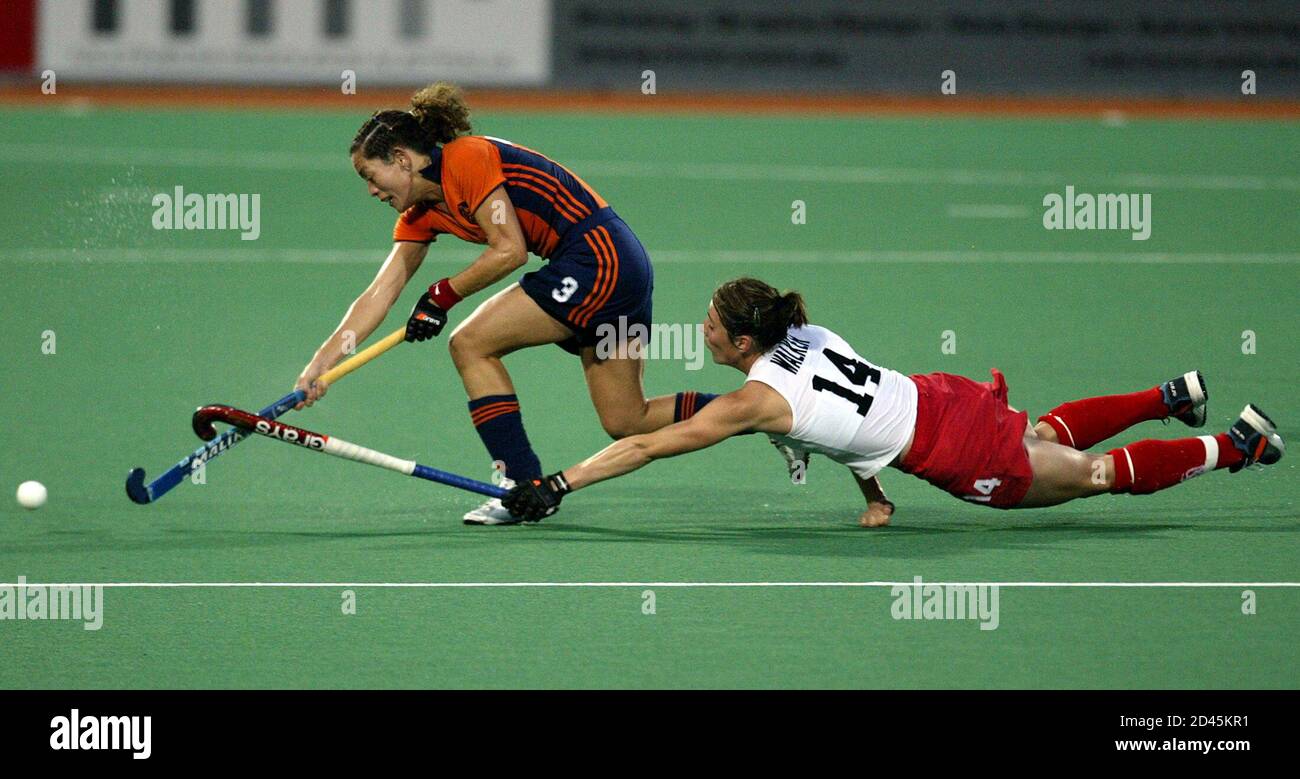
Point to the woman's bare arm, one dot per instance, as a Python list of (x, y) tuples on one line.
[(363, 316), (506, 249), (754, 406), (879, 507)]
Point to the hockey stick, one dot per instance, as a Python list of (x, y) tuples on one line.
[(254, 423), (144, 494)]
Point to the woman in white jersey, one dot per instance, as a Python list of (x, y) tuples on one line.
[(812, 392)]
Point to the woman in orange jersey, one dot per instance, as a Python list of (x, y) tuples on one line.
[(440, 179)]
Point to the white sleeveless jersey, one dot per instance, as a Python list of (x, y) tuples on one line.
[(844, 407)]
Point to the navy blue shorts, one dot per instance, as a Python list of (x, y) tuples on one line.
[(598, 273)]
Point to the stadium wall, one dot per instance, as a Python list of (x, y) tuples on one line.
[(18, 36), (1116, 47), (1158, 48), (383, 42)]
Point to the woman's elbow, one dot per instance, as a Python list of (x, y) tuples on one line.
[(513, 257)]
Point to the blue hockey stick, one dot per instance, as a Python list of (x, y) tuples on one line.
[(144, 494)]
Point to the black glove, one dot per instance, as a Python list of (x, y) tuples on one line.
[(427, 320), (536, 498)]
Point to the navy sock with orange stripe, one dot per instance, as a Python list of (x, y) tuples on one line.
[(500, 425), (688, 404)]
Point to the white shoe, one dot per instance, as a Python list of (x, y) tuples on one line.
[(796, 460), (492, 512)]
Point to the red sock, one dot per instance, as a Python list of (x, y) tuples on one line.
[(1147, 466), (1081, 424)]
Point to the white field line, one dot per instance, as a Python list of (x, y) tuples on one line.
[(825, 174), (695, 585), (987, 211), (68, 154), (766, 256)]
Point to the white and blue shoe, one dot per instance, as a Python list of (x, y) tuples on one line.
[(1187, 398), (1256, 436), (492, 512)]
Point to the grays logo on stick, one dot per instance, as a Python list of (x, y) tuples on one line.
[(290, 434)]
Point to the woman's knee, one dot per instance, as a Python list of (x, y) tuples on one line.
[(1101, 473), (624, 421), (620, 427), (1093, 475), (466, 345), (458, 345), (1065, 473)]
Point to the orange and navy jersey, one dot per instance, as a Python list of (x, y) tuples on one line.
[(547, 197)]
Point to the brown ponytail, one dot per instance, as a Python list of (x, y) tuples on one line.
[(441, 111), (438, 115), (747, 306)]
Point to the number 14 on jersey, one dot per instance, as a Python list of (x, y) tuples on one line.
[(857, 373)]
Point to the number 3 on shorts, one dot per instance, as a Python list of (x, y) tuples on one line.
[(565, 290)]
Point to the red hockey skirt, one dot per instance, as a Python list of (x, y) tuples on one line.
[(968, 441)]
